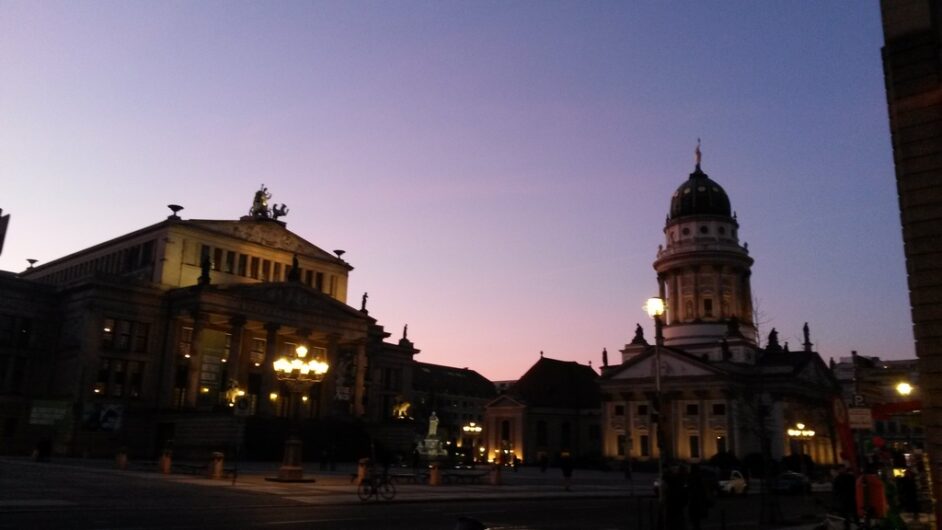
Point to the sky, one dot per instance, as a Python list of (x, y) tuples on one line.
[(498, 173)]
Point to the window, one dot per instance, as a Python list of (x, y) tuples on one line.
[(720, 444), (621, 444), (704, 230), (308, 277), (230, 262), (266, 270), (243, 260), (694, 446), (319, 281), (685, 231), (642, 410), (505, 430), (141, 331), (122, 335), (217, 259), (689, 310), (693, 409), (708, 307), (619, 410), (721, 230), (253, 270), (542, 434), (276, 276), (186, 341), (645, 442), (719, 409), (107, 334)]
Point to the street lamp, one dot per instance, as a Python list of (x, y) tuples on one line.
[(655, 309), (472, 430), (904, 389), (298, 374)]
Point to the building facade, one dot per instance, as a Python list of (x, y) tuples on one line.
[(149, 340), (720, 392)]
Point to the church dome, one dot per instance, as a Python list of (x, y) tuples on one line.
[(699, 195)]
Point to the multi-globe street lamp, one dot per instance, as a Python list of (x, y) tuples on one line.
[(655, 308), (297, 374), (472, 430)]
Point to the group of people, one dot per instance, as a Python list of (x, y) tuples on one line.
[(686, 497), (871, 496)]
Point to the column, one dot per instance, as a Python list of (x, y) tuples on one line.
[(195, 361), (696, 292), (269, 383), (236, 330), (359, 388)]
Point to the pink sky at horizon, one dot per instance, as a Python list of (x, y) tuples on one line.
[(498, 174)]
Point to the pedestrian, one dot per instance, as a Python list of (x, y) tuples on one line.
[(675, 499), (843, 490), (698, 500), (908, 494), (565, 464)]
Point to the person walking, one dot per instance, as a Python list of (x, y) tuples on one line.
[(844, 494), (565, 465), (698, 498), (908, 493)]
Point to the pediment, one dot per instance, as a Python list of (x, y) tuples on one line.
[(672, 365), (505, 401), (814, 373), (272, 234)]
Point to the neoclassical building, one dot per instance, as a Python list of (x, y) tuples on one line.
[(144, 341), (720, 391)]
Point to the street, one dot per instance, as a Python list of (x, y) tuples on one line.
[(58, 496)]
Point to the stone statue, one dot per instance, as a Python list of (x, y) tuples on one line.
[(433, 425), (405, 336), (363, 302), (773, 340), (639, 335), (604, 356), (260, 203), (279, 210)]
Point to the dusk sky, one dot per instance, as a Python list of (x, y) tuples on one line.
[(498, 172)]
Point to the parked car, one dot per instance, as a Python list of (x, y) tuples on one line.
[(791, 482), (734, 484)]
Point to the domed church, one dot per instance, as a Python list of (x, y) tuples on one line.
[(717, 390)]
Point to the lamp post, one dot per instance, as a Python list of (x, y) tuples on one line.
[(655, 309), (297, 374), (472, 430)]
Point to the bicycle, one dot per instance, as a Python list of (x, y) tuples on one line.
[(376, 486)]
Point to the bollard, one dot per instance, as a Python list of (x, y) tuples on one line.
[(166, 460), (216, 465), (363, 466), (495, 475), (121, 459), (435, 475)]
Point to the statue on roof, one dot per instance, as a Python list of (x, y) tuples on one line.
[(260, 203), (773, 340), (604, 356), (279, 210), (363, 302), (639, 335)]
